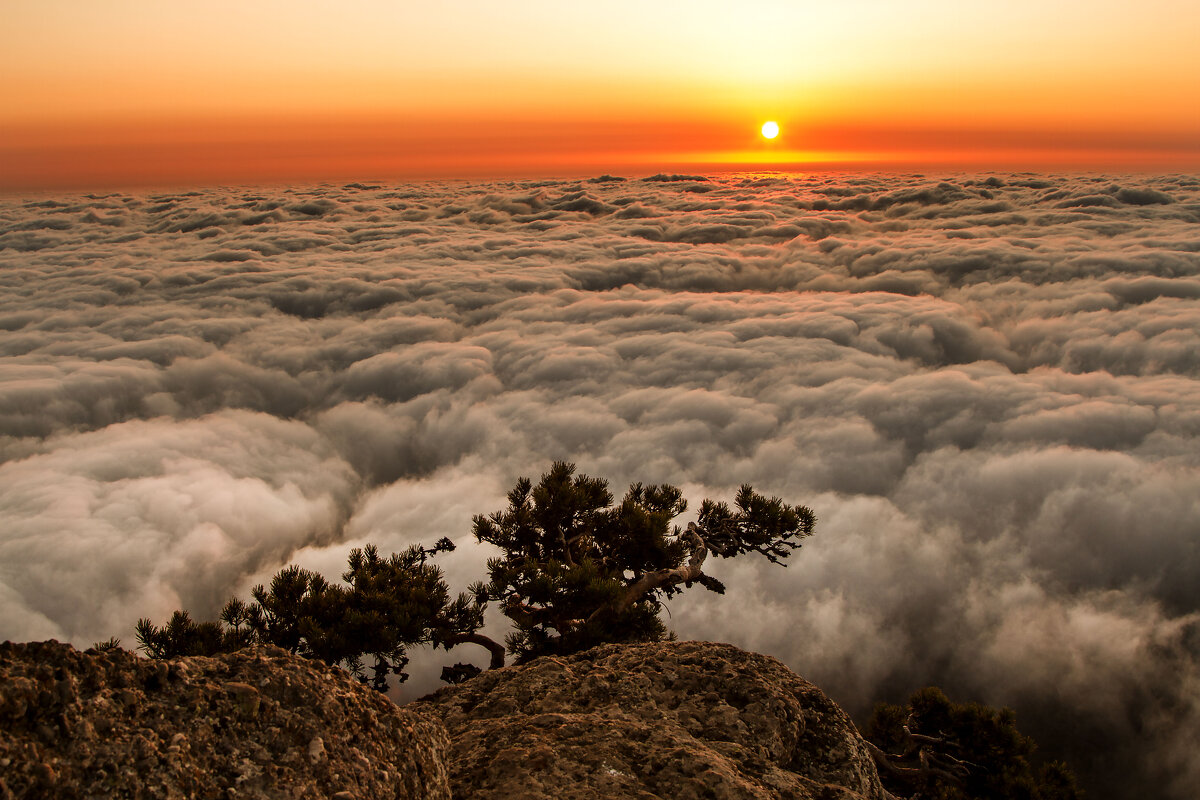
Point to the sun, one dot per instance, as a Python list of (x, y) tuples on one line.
[(770, 129)]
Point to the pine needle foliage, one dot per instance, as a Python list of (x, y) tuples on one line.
[(577, 570), (935, 749), (384, 606)]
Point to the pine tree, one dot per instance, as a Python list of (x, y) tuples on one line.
[(935, 749), (385, 606), (578, 571)]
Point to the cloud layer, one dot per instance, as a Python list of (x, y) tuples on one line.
[(987, 387)]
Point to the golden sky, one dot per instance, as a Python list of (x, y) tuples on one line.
[(131, 92)]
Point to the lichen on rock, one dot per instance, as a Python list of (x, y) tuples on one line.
[(241, 725), (666, 720), (657, 721)]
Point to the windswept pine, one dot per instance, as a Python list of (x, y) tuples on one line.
[(579, 570)]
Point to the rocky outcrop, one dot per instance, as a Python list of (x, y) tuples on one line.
[(672, 721), (255, 724), (669, 720)]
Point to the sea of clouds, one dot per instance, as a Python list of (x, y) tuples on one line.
[(988, 388)]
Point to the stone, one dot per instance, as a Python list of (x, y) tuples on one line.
[(657, 721), (246, 696), (198, 727), (651, 721)]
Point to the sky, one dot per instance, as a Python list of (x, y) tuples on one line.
[(986, 387), (136, 92)]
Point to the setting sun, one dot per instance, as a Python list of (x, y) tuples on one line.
[(770, 129)]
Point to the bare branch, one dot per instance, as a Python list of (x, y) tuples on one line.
[(888, 762), (494, 647), (520, 613), (929, 763), (566, 547)]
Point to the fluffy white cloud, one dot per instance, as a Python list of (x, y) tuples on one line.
[(157, 515), (988, 388)]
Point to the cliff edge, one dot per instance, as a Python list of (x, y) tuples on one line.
[(258, 723), (658, 721)]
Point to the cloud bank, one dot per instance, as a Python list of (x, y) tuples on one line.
[(987, 387)]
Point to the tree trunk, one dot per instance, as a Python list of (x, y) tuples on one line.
[(665, 577)]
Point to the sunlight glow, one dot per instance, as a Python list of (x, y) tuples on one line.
[(512, 89)]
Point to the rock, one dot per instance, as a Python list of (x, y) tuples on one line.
[(663, 721), (247, 697), (205, 727), (678, 720)]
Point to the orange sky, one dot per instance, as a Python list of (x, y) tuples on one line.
[(141, 92)]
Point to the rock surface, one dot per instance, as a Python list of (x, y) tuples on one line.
[(254, 724), (676, 721), (669, 720)]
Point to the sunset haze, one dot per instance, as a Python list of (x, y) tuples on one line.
[(142, 92)]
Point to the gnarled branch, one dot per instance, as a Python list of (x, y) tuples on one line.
[(662, 578), (929, 763), (494, 647)]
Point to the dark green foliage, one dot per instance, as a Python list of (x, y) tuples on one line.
[(578, 571), (109, 646), (182, 636), (960, 751), (384, 606), (459, 673), (759, 525)]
